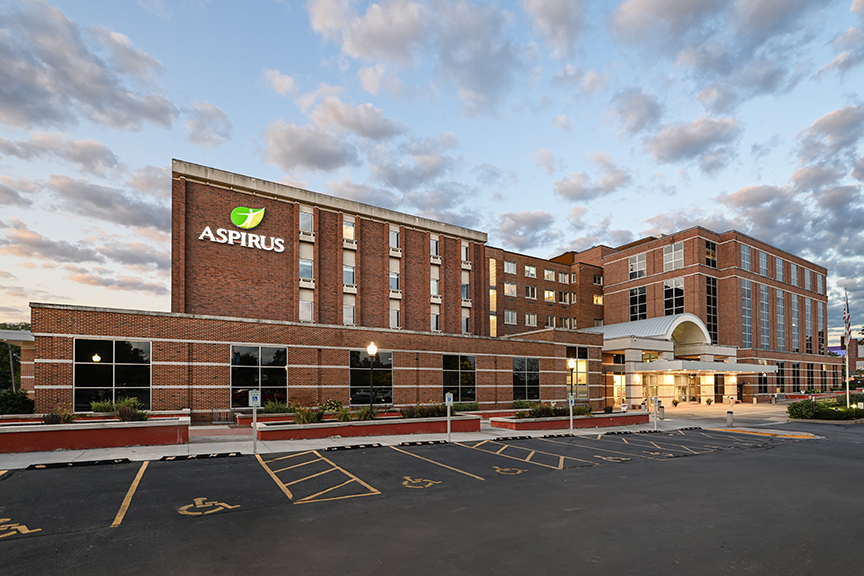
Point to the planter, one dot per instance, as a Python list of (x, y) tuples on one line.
[(245, 419), (281, 431), (91, 416), (87, 435), (563, 422)]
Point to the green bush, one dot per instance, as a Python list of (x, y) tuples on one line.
[(344, 415), (366, 413), (330, 405), (802, 409), (61, 414), (466, 407), (16, 403), (128, 409), (424, 411), (520, 404), (547, 411), (519, 415), (307, 415), (275, 407), (102, 406), (608, 409)]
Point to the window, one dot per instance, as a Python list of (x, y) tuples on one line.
[(434, 247), (778, 265), (598, 279), (806, 279), (820, 329), (394, 239), (781, 321), (762, 383), (466, 324), (435, 322), (510, 289), (808, 326), (796, 336), (549, 295), (509, 317), (466, 257), (530, 319), (307, 222), (563, 297), (793, 274), (459, 378), (465, 292), (435, 286), (562, 277), (710, 254), (598, 299), (306, 269), (781, 377), (258, 368), (549, 322), (395, 320), (673, 296), (348, 315), (673, 256), (526, 379), (348, 230), (745, 257), (637, 266), (531, 292), (577, 378), (549, 275), (573, 323), (638, 303), (564, 323), (763, 263), (509, 267), (746, 314), (530, 271), (796, 377), (306, 312), (711, 307), (348, 275), (394, 281), (764, 320), (598, 322), (110, 370), (819, 280), (371, 381)]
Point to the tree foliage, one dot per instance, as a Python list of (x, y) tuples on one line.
[(5, 375)]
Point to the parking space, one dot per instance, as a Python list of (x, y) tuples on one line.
[(307, 477)]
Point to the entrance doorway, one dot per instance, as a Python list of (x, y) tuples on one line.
[(719, 387)]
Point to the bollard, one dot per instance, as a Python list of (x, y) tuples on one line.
[(754, 400), (729, 419), (662, 412)]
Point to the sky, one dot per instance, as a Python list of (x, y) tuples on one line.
[(552, 125)]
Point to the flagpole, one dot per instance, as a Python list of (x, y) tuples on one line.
[(847, 321)]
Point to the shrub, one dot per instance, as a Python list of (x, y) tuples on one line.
[(802, 409), (61, 414), (307, 415), (582, 410), (542, 411), (366, 413), (102, 406), (16, 402), (519, 404), (275, 407), (127, 409), (709, 401), (607, 409), (520, 414), (330, 405), (431, 411), (466, 407), (344, 415)]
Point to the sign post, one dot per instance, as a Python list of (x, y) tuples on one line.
[(448, 398), (571, 401), (656, 402), (254, 403)]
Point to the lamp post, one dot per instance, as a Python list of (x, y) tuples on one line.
[(571, 364), (371, 350)]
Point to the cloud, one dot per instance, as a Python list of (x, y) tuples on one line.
[(390, 32), (588, 83), (375, 196), (364, 120), (445, 203), (635, 110), (374, 78), (816, 176), (703, 139), (152, 180), (546, 160), (135, 254), (51, 76), (207, 125), (578, 187), (89, 155), (109, 204), (123, 283), (562, 121), (22, 242), (833, 134), (11, 193), (558, 22), (416, 163), (490, 175), (857, 7), (851, 42), (292, 147), (598, 232), (280, 83), (664, 23), (525, 230)]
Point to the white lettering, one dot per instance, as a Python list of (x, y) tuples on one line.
[(280, 244), (264, 243), (207, 233), (242, 238), (221, 235), (233, 235), (254, 241)]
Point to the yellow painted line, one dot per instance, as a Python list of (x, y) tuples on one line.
[(625, 441), (312, 497), (309, 477), (347, 473), (501, 450), (656, 446), (275, 478), (128, 499), (595, 448), (295, 466), (774, 434), (599, 436), (559, 467), (2, 472), (437, 463), (528, 458), (289, 456)]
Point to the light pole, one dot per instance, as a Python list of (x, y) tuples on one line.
[(371, 350), (571, 364)]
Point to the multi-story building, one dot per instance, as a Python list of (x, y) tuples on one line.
[(282, 289)]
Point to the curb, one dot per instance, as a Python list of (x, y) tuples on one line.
[(801, 435)]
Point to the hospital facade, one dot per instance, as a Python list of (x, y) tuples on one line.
[(282, 289)]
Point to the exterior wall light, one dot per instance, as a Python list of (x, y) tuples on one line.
[(96, 358)]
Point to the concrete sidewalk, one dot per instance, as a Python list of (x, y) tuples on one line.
[(748, 419)]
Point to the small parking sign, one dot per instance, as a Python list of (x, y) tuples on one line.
[(254, 398), (448, 398)]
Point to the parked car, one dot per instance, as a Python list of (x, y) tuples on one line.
[(360, 396)]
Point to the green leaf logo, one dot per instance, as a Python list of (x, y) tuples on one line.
[(247, 218)]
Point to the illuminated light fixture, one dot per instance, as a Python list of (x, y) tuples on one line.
[(371, 349), (96, 358)]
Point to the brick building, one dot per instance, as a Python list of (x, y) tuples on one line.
[(282, 289)]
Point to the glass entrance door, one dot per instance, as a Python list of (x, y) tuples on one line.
[(719, 387)]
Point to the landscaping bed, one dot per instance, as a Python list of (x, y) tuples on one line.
[(23, 437), (828, 410), (90, 416), (357, 428), (563, 422)]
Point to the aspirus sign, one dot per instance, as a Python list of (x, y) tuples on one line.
[(246, 218)]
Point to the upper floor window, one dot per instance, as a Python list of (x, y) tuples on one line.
[(779, 266), (530, 319), (562, 277), (549, 295), (763, 263), (745, 257), (510, 289), (819, 280), (348, 275), (793, 274), (638, 303), (531, 292), (509, 317), (348, 230), (509, 267), (598, 299), (394, 239), (673, 256), (306, 269), (806, 279), (563, 297), (434, 247), (307, 222), (549, 275), (598, 279), (394, 281), (530, 271), (711, 254), (637, 266), (435, 286), (465, 254)]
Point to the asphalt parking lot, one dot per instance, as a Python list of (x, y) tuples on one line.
[(687, 502)]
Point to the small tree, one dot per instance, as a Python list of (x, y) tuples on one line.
[(10, 358)]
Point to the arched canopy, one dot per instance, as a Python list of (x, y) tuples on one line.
[(683, 329)]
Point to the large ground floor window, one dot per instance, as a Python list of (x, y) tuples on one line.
[(459, 377), (258, 368), (110, 370), (526, 378), (371, 379)]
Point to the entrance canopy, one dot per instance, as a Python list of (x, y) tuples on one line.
[(683, 329)]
